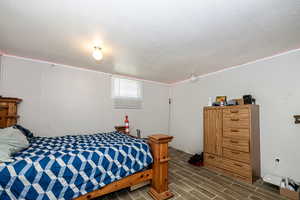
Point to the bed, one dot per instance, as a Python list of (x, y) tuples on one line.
[(85, 166)]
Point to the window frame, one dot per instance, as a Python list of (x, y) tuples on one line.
[(126, 102)]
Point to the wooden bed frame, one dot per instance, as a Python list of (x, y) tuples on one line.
[(158, 173)]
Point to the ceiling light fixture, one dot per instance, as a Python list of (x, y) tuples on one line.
[(97, 54), (193, 78)]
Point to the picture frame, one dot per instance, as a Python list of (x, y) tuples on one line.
[(220, 99)]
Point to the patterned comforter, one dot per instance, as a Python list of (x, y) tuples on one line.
[(69, 166)]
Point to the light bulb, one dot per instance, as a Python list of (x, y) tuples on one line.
[(193, 78), (97, 54)]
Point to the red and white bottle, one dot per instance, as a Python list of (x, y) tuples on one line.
[(126, 124)]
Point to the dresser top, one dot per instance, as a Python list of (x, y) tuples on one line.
[(229, 107), (10, 99)]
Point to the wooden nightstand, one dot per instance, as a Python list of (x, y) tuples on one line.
[(120, 129)]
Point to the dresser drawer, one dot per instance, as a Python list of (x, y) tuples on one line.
[(236, 144), (239, 177), (236, 112), (236, 155), (236, 118), (240, 168), (239, 133), (235, 122), (213, 160)]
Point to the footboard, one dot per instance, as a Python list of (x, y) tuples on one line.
[(158, 174), (159, 185)]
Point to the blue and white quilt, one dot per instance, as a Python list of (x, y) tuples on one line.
[(70, 166)]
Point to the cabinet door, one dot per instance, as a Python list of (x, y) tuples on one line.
[(213, 131)]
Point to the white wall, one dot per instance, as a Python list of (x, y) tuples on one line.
[(60, 100), (274, 82)]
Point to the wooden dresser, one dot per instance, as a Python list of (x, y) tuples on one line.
[(8, 111), (232, 141)]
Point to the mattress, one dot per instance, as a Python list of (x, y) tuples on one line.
[(70, 166)]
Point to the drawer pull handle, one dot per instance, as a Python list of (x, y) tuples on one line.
[(234, 142), (234, 152), (235, 120), (234, 111), (211, 157), (235, 130), (238, 165)]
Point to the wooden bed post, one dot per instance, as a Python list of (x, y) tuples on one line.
[(158, 174), (159, 185)]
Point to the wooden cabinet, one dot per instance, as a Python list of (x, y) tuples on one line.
[(232, 141), (8, 111)]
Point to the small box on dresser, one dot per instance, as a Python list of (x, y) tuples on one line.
[(232, 141)]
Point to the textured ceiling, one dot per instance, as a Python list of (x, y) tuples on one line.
[(160, 40)]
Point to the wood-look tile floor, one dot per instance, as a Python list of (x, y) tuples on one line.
[(188, 182)]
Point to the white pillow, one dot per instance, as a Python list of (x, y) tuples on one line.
[(11, 141)]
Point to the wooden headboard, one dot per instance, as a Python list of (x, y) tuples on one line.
[(8, 111)]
